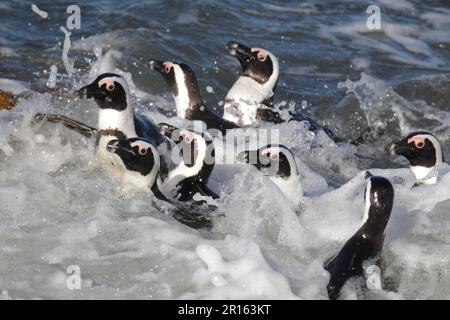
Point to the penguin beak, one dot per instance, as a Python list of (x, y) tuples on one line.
[(243, 157), (250, 157), (167, 129), (157, 65), (399, 148), (367, 175), (91, 91), (114, 146), (243, 53)]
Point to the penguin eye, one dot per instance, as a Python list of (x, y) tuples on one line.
[(420, 145), (142, 151), (262, 57), (261, 54), (110, 87)]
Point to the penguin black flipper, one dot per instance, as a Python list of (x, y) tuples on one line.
[(189, 215), (314, 126), (204, 190), (269, 102), (187, 188), (192, 218), (348, 263), (158, 194), (75, 125), (269, 115), (211, 119)]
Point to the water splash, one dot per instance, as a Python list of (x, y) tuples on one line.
[(41, 13), (65, 54)]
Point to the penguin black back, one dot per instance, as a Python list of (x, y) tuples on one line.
[(189, 103), (367, 242)]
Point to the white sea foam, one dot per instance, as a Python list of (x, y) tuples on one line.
[(60, 209), (407, 36), (15, 87)]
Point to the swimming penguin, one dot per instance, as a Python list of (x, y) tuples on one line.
[(188, 101), (141, 157), (277, 162), (250, 99), (116, 120), (423, 151), (142, 160), (191, 175), (254, 88), (366, 244)]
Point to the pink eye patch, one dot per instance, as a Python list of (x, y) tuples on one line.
[(262, 54), (109, 84), (167, 66), (419, 141), (187, 136), (142, 147)]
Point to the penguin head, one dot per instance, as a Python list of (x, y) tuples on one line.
[(138, 154), (259, 64), (379, 200), (194, 147), (109, 91), (422, 149), (181, 80), (272, 160)]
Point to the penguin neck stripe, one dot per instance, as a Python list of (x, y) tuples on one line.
[(114, 133)]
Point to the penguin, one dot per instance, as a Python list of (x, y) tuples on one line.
[(250, 99), (188, 101), (191, 175), (142, 160), (277, 162), (141, 157), (423, 151), (254, 88), (116, 120), (365, 246)]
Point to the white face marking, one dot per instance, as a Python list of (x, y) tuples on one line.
[(182, 99), (110, 86), (367, 201), (154, 173), (437, 146), (182, 171)]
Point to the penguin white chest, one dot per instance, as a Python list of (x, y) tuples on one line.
[(243, 101), (111, 161), (291, 188)]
